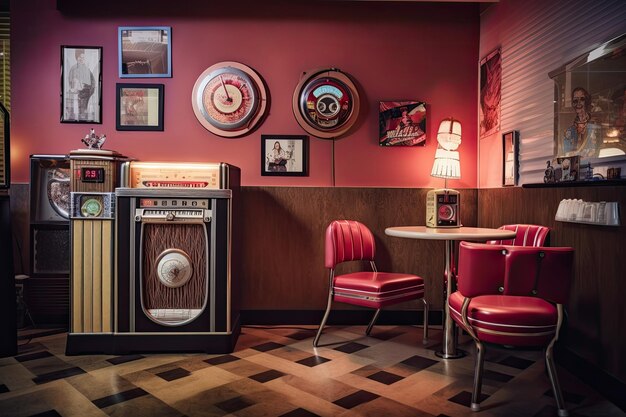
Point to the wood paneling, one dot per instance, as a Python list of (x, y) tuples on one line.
[(283, 244), (596, 312)]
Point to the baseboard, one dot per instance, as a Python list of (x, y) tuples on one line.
[(610, 387), (337, 317)]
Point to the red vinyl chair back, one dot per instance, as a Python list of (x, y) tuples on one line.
[(522, 271), (348, 240), (526, 235)]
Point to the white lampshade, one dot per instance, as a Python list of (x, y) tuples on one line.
[(447, 164), (449, 134), (447, 161)]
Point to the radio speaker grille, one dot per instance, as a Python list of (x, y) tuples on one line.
[(188, 238)]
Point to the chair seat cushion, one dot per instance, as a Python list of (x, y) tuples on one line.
[(377, 289), (506, 319)]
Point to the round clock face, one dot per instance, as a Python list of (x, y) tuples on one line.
[(326, 103), (229, 99)]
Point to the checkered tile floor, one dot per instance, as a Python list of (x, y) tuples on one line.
[(275, 371)]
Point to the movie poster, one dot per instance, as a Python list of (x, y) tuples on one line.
[(490, 83), (402, 123)]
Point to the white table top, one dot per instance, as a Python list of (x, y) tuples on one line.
[(457, 233)]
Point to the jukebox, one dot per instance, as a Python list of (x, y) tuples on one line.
[(176, 284), (94, 177)]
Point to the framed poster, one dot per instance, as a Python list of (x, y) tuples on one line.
[(402, 123), (139, 107), (590, 104), (285, 155), (510, 158), (145, 52), (490, 84), (81, 84)]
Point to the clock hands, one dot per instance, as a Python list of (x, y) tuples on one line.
[(228, 98)]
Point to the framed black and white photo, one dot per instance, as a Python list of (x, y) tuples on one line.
[(139, 107), (81, 84), (510, 157), (145, 52), (285, 155)]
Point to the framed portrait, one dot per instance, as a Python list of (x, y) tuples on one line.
[(402, 123), (285, 155), (510, 158), (590, 104), (145, 52), (490, 86), (139, 107), (81, 84)]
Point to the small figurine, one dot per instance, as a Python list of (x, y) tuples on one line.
[(549, 173), (94, 141)]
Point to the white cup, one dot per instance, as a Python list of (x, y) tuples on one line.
[(612, 213)]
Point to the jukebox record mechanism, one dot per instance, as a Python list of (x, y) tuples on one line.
[(58, 191)]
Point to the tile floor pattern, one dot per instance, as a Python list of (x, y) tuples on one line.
[(275, 371)]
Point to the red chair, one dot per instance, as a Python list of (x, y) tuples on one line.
[(514, 296), (349, 240), (526, 235)]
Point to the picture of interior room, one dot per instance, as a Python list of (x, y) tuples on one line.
[(312, 208)]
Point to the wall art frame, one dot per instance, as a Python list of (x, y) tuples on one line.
[(139, 106), (402, 123), (285, 155), (145, 51), (81, 84), (510, 158)]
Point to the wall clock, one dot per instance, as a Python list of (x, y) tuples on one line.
[(326, 103), (229, 99)]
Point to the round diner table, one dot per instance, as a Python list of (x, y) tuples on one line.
[(450, 236)]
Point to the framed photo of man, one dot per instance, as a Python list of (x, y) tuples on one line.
[(81, 84)]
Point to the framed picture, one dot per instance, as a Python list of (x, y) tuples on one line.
[(590, 104), (490, 84), (402, 123), (285, 155), (510, 158), (566, 168), (81, 84), (145, 52), (139, 107)]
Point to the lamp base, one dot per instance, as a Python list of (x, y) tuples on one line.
[(442, 208)]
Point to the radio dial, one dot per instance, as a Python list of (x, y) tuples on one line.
[(446, 212)]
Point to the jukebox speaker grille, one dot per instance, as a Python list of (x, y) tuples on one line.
[(189, 239)]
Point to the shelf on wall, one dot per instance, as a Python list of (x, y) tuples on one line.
[(598, 183)]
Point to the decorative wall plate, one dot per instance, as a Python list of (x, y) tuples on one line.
[(229, 99), (326, 103)]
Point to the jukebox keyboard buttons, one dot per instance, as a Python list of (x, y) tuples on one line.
[(174, 268)]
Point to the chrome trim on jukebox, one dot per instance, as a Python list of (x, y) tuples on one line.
[(184, 320)]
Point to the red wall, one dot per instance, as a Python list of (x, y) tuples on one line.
[(393, 51)]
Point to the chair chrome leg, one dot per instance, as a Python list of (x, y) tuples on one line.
[(478, 376), (369, 326), (425, 340), (326, 314), (554, 380)]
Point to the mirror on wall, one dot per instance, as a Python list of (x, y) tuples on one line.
[(590, 103)]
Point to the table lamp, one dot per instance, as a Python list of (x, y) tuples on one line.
[(442, 205)]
